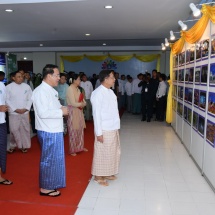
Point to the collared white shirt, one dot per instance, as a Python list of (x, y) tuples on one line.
[(105, 110), (161, 89), (18, 96), (88, 88), (135, 88), (128, 88), (48, 113), (2, 101)]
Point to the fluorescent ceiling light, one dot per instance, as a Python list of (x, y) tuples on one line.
[(172, 36), (163, 46), (166, 42), (108, 7), (183, 26), (104, 44), (9, 10), (87, 34), (41, 44), (196, 11)]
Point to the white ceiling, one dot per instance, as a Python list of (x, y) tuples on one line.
[(64, 24)]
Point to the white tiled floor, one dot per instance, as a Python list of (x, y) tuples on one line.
[(157, 177)]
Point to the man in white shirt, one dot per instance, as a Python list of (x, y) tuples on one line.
[(136, 94), (161, 99), (128, 90), (88, 89), (3, 135), (49, 124), (106, 125), (18, 99)]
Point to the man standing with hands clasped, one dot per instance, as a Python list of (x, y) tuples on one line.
[(49, 124), (106, 124)]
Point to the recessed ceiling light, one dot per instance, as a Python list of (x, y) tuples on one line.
[(108, 6), (9, 10), (41, 44), (104, 44), (87, 34)]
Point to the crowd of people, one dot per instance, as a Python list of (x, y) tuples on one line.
[(61, 104)]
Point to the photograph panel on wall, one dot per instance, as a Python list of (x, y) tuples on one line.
[(202, 100), (192, 54), (174, 90), (204, 74), (187, 73), (196, 97), (210, 133), (212, 74), (191, 70), (182, 58), (180, 92), (198, 51), (195, 120), (180, 109), (179, 60), (186, 94), (176, 75), (190, 95), (197, 75), (185, 113), (187, 56), (189, 115), (205, 49), (201, 125), (211, 104), (181, 75), (213, 45)]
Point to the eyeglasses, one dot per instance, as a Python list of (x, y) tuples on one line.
[(57, 76)]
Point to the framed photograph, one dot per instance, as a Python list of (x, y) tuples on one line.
[(176, 75), (204, 74), (198, 51), (196, 97), (195, 120), (180, 109), (181, 92), (187, 73), (212, 74), (192, 55), (212, 45), (185, 113), (211, 104), (182, 58), (191, 75), (205, 48), (190, 95), (188, 56), (186, 94), (197, 75), (210, 133), (189, 115), (202, 100), (201, 125)]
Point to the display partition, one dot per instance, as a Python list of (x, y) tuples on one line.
[(193, 100)]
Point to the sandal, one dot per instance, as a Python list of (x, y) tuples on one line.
[(6, 182), (24, 150), (85, 150), (112, 177), (73, 154), (101, 182), (49, 193), (10, 151)]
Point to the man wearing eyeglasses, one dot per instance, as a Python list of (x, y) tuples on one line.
[(49, 124)]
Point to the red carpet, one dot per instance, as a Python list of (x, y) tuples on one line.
[(23, 169)]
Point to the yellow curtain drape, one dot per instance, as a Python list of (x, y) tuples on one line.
[(169, 97), (191, 36), (121, 58), (195, 33), (96, 58), (158, 63)]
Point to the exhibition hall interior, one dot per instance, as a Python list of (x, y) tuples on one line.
[(159, 57)]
